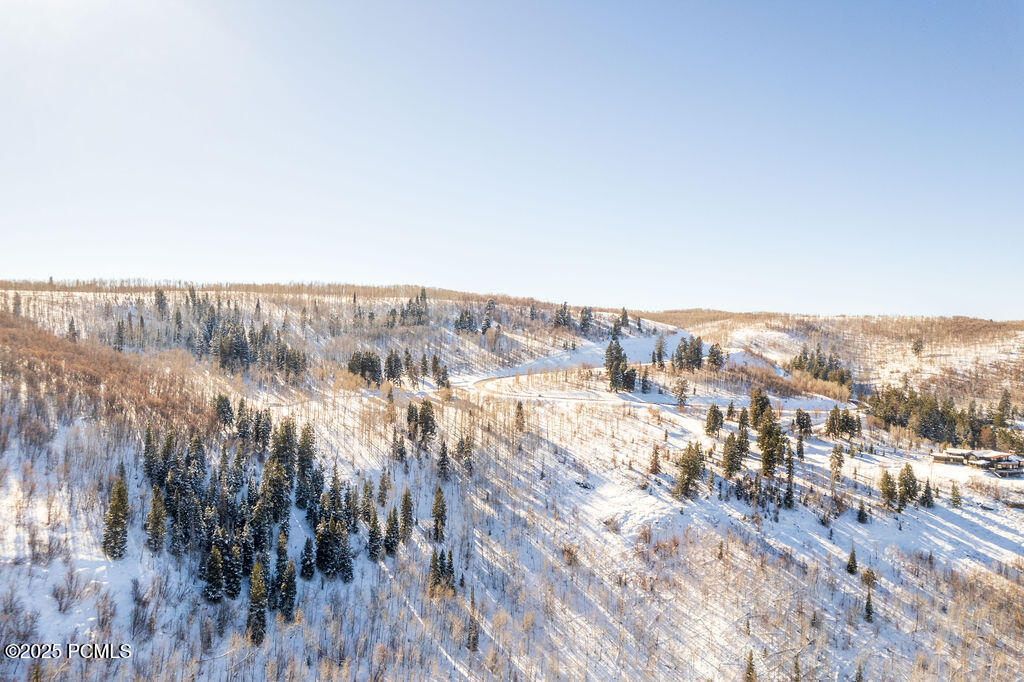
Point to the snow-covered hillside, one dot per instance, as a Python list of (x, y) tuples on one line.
[(584, 535)]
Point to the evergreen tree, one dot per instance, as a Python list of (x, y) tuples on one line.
[(691, 468), (288, 589), (449, 571), (954, 496), (72, 331), (443, 462), (150, 460), (328, 534), (119, 335), (344, 559), (716, 359), (851, 563), (869, 610), (434, 574), (373, 537), (1000, 417), (680, 389), (788, 501), (732, 458), (398, 446), (427, 424), (803, 423), (176, 547), (405, 528), (862, 514), (520, 419), (714, 421), (887, 486), (367, 505), (742, 439), (859, 676), (274, 593), (654, 468), (439, 512), (473, 628), (927, 500), (307, 561), (115, 532), (214, 577), (256, 624), (391, 533), (908, 487), (233, 572), (156, 522), (383, 485), (750, 675), (694, 358)]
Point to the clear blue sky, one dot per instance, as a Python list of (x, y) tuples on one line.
[(862, 157)]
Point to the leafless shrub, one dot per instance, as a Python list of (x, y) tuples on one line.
[(570, 555), (106, 610), (142, 621), (16, 623), (69, 591)]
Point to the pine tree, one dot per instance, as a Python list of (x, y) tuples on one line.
[(954, 496), (862, 514), (288, 589), (391, 533), (307, 561), (796, 668), (473, 628), (654, 468), (851, 563), (383, 485), (150, 461), (439, 512), (156, 522), (176, 547), (115, 532), (713, 422), (344, 559), (788, 500), (367, 505), (434, 574), (448, 574), (256, 623), (520, 419), (214, 577), (732, 458), (908, 487), (407, 521), (927, 500), (859, 676), (750, 675), (233, 572), (869, 611), (274, 593), (373, 537), (716, 359), (443, 462), (119, 335), (327, 551), (887, 486)]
